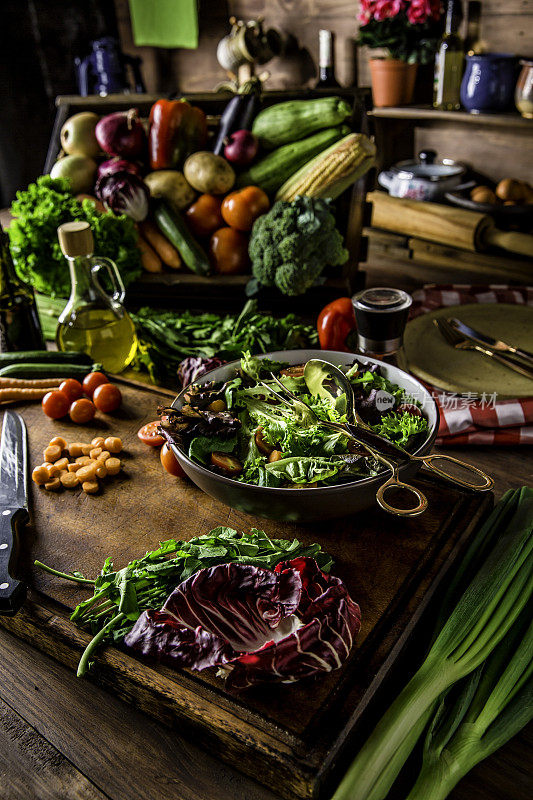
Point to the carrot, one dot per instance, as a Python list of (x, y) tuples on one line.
[(164, 249), (98, 204), (21, 383), (24, 394), (149, 258)]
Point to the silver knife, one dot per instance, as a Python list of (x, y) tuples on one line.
[(494, 344), (13, 507)]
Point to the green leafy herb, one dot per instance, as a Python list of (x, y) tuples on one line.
[(400, 427)]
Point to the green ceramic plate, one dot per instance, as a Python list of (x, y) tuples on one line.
[(432, 359)]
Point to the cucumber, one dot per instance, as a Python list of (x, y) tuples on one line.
[(46, 370), (45, 357), (172, 225)]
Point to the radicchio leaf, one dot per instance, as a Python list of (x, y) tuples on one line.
[(192, 368), (258, 625)]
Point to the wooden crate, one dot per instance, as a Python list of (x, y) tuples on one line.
[(227, 293)]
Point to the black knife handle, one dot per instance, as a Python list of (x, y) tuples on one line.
[(12, 591)]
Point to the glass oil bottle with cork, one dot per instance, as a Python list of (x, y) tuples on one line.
[(94, 321)]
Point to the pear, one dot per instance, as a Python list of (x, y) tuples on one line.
[(78, 137), (81, 172)]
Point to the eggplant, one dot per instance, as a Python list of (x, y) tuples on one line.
[(238, 115)]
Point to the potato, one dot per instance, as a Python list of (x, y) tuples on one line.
[(482, 194), (208, 173), (172, 186), (509, 189)]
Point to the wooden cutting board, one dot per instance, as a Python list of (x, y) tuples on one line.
[(289, 737)]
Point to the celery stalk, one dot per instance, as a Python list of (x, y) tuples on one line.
[(487, 609)]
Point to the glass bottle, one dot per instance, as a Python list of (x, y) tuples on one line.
[(449, 62), (381, 316), (19, 322), (326, 65), (473, 41), (93, 321)]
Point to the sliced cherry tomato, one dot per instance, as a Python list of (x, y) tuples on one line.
[(92, 380), (204, 217), (107, 397), (240, 209), (229, 252), (82, 411), (149, 434), (71, 388), (227, 463), (55, 404), (170, 462)]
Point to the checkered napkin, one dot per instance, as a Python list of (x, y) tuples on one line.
[(467, 418)]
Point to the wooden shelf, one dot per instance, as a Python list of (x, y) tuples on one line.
[(426, 113)]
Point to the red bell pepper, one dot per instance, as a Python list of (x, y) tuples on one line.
[(177, 129), (335, 322)]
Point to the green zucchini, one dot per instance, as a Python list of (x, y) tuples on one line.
[(294, 120), (172, 225), (45, 357), (46, 370), (274, 169)]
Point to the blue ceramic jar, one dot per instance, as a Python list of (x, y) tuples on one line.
[(489, 81)]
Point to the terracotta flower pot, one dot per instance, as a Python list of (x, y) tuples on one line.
[(393, 81)]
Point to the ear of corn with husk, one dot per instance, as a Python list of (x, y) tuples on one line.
[(331, 172)]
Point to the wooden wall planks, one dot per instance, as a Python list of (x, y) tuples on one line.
[(504, 27)]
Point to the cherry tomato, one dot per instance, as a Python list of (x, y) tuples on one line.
[(55, 404), (204, 217), (170, 462), (71, 388), (91, 381), (149, 434), (229, 252), (107, 397), (240, 209), (82, 411)]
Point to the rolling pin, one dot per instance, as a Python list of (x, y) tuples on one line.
[(456, 227)]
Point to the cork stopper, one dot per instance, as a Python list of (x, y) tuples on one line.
[(75, 239)]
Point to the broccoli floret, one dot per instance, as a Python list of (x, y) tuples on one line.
[(291, 245)]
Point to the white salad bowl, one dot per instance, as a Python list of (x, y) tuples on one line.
[(307, 504)]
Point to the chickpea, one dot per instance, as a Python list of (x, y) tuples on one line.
[(101, 470), (98, 441), (217, 405), (275, 455), (83, 460), (90, 487), (40, 475), (69, 480), (86, 449), (95, 452), (62, 463), (104, 455), (54, 485), (74, 467), (59, 441), (87, 472), (113, 466), (75, 449), (113, 444), (52, 453)]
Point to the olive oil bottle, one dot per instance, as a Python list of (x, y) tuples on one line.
[(19, 323), (93, 321), (449, 62)]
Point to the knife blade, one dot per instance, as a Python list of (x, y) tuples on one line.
[(13, 507), (494, 344)]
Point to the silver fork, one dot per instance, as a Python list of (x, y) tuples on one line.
[(459, 342)]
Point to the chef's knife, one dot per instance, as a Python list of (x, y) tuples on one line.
[(13, 507), (494, 344)]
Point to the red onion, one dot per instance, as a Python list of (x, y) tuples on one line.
[(241, 148), (124, 193), (117, 165), (121, 134)]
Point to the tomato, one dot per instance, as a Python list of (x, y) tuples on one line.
[(71, 388), (228, 250), (82, 411), (204, 217), (170, 462), (55, 404), (107, 397), (240, 209), (149, 434), (92, 380)]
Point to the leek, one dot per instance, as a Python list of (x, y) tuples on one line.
[(493, 704), (487, 609)]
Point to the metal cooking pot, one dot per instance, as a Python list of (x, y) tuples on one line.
[(424, 179)]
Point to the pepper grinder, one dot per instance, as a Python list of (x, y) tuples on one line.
[(381, 315)]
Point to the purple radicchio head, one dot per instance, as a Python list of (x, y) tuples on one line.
[(124, 193), (257, 625)]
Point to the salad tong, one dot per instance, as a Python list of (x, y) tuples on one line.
[(392, 456)]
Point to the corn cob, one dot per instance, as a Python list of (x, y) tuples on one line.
[(332, 171)]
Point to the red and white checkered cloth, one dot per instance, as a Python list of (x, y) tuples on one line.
[(485, 420)]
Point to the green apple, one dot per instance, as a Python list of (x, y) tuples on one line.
[(78, 137), (81, 172)]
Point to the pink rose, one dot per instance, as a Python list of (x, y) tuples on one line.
[(387, 8), (419, 11), (367, 11)]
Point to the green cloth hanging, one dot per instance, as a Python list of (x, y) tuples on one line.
[(165, 23)]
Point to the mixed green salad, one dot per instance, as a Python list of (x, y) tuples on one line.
[(238, 428)]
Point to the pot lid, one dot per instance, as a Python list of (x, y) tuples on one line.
[(428, 168)]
